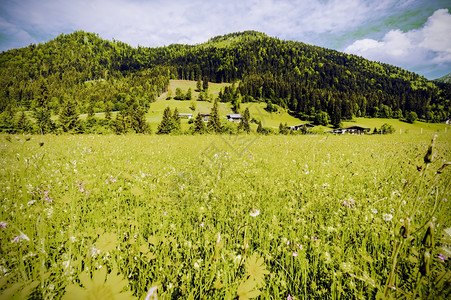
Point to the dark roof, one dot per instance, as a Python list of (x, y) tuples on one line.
[(357, 128)]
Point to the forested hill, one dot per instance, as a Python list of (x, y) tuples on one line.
[(305, 79)]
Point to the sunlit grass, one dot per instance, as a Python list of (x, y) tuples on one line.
[(210, 216)]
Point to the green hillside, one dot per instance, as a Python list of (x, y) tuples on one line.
[(80, 73)]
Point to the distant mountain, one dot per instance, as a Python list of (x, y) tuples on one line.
[(305, 79), (445, 79)]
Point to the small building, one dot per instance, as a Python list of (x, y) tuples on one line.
[(234, 118), (185, 116), (301, 126), (205, 117), (351, 130)]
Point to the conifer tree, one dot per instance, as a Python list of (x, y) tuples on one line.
[(199, 125), (205, 84), (199, 85), (120, 123), (68, 116), (43, 121), (260, 127), (176, 120), (7, 120), (138, 120), (189, 94), (214, 124), (244, 124), (167, 123), (23, 123)]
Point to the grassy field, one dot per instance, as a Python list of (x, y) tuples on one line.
[(223, 217)]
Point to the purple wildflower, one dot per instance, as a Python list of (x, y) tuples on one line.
[(442, 257), (3, 225)]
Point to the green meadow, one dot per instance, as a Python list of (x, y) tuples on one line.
[(226, 217)]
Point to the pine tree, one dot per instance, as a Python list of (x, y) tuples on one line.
[(68, 116), (214, 124), (7, 120), (176, 120), (23, 123), (120, 123), (43, 121), (138, 120), (260, 128), (244, 124), (205, 84), (199, 125), (189, 94), (199, 85), (167, 123)]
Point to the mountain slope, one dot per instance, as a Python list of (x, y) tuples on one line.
[(445, 79), (305, 79)]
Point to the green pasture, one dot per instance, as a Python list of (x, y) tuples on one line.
[(225, 217)]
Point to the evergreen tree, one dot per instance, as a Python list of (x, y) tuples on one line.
[(166, 125), (23, 123), (43, 121), (7, 120), (138, 120), (260, 128), (68, 116), (189, 94), (199, 85), (214, 124), (121, 123), (199, 125), (244, 124), (176, 120), (205, 84)]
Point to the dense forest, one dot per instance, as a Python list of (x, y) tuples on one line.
[(82, 73)]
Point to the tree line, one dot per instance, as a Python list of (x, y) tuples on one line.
[(96, 75)]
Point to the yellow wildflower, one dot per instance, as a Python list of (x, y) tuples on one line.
[(100, 287)]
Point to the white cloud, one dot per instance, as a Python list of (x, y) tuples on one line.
[(430, 44), (158, 22)]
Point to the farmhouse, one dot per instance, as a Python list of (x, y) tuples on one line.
[(301, 126), (351, 130), (234, 118), (185, 116)]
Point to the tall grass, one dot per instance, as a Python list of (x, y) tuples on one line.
[(222, 217)]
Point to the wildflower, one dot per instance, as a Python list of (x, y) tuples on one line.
[(152, 293), (202, 224), (20, 237), (196, 265), (442, 257), (256, 269), (107, 242), (387, 217), (288, 243), (374, 211), (165, 213), (100, 286), (254, 212), (3, 225), (295, 254), (246, 290), (30, 203), (299, 246), (289, 297), (94, 251)]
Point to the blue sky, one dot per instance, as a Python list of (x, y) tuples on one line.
[(412, 34)]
